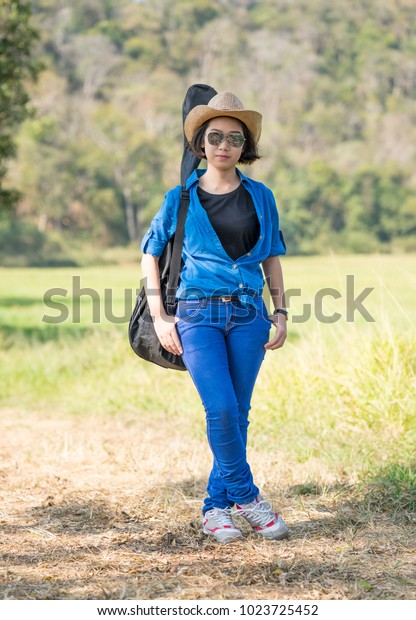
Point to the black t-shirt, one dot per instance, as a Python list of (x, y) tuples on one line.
[(233, 217)]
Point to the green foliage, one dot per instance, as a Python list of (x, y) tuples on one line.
[(361, 212), (86, 15), (393, 489), (16, 66), (22, 244), (335, 82)]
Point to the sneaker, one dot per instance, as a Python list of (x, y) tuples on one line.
[(217, 522), (263, 519)]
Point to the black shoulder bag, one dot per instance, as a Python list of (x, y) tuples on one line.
[(142, 335)]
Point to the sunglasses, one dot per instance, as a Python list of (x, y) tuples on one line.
[(234, 138)]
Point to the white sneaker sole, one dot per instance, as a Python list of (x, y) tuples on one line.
[(277, 533), (225, 537)]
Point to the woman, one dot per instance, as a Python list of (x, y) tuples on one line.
[(221, 327)]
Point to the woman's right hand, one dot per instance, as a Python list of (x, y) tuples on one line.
[(165, 328)]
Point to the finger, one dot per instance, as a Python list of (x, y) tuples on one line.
[(172, 349), (269, 344), (168, 344), (276, 342), (279, 343), (281, 337), (177, 343), (174, 343)]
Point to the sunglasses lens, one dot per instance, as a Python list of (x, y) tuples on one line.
[(236, 139), (215, 138)]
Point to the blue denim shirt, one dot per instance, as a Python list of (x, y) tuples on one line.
[(208, 270)]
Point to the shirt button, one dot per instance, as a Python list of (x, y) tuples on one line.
[(260, 237), (240, 286), (261, 217), (248, 253), (234, 266)]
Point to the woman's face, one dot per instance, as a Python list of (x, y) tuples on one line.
[(224, 155)]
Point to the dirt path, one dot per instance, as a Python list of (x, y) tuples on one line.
[(107, 509)]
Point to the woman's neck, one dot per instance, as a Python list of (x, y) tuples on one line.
[(218, 181)]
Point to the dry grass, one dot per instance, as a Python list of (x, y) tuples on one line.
[(109, 509)]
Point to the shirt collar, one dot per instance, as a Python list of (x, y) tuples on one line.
[(196, 174)]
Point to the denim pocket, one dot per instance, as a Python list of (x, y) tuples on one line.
[(189, 310)]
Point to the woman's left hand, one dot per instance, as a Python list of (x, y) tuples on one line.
[(279, 321)]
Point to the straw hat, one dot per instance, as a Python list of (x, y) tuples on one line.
[(223, 104)]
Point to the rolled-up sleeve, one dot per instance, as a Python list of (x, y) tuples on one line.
[(278, 245), (163, 225)]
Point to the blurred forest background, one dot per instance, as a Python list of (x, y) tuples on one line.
[(92, 145)]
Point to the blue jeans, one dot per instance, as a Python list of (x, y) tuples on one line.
[(223, 348)]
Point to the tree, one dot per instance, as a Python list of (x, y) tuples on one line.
[(16, 66), (335, 81), (135, 160)]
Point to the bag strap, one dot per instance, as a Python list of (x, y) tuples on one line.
[(175, 264)]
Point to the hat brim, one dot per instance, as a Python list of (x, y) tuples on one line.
[(202, 113)]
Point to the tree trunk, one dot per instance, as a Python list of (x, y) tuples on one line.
[(128, 205), (42, 222), (130, 216)]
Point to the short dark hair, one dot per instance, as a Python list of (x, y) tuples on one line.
[(248, 154)]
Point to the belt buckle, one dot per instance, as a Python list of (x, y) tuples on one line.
[(226, 298)]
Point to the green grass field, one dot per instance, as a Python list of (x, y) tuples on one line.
[(336, 387), (333, 413)]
